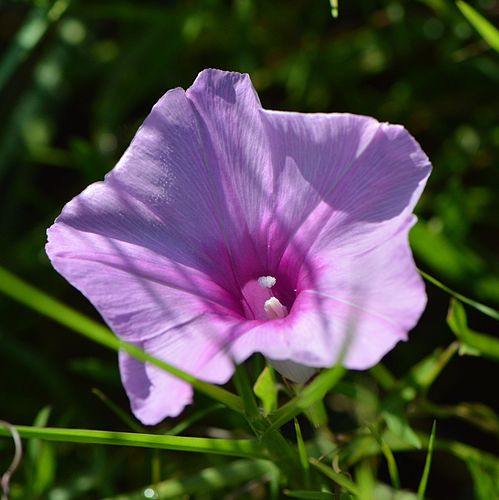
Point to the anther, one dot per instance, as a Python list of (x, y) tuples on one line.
[(267, 281), (274, 309)]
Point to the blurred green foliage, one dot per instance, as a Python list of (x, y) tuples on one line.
[(76, 80)]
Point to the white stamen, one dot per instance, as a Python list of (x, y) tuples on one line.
[(267, 281), (274, 309)]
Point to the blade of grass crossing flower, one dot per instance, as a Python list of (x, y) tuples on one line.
[(44, 304), (336, 477), (473, 342), (426, 471), (233, 447), (312, 393), (487, 30), (206, 481), (493, 313), (302, 453)]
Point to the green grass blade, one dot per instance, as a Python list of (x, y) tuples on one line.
[(44, 304), (312, 393), (302, 453), (477, 343), (473, 303), (390, 459), (234, 447), (487, 31), (336, 477), (426, 471)]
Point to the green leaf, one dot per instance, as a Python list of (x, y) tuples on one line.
[(483, 467), (399, 425), (312, 393), (266, 390), (206, 481), (234, 447), (426, 471), (317, 414), (487, 31), (419, 379), (473, 342), (383, 376), (441, 254), (44, 304)]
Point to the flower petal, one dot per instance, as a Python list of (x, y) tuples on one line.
[(293, 371), (154, 394), (165, 306), (358, 311), (357, 180), (109, 247)]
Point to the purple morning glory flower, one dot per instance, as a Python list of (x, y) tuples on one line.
[(227, 229)]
